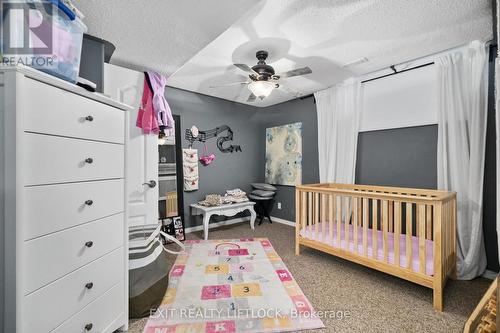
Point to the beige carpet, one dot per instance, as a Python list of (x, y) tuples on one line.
[(374, 302)]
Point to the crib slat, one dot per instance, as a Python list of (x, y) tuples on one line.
[(339, 218), (324, 210), (330, 215), (428, 222), (444, 225), (365, 226), (452, 225), (310, 204), (375, 228), (397, 231), (347, 213), (409, 230), (391, 216), (360, 211), (385, 227), (303, 210), (316, 215), (421, 237), (355, 222)]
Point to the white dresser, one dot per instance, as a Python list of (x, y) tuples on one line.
[(62, 210)]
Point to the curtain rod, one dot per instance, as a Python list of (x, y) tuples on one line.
[(491, 45), (398, 72), (383, 76)]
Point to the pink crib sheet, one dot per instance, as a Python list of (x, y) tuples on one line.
[(310, 233)]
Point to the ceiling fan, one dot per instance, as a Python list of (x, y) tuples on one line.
[(263, 79)]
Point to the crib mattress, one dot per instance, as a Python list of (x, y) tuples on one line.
[(309, 232)]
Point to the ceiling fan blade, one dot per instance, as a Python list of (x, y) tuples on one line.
[(251, 98), (296, 72), (246, 68), (230, 84)]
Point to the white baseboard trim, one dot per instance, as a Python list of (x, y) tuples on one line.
[(490, 275), (283, 221), (218, 224)]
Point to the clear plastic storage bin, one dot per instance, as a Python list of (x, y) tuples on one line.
[(67, 47), (56, 28)]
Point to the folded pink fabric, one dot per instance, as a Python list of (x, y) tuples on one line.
[(323, 236)]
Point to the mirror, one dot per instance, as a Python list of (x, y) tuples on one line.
[(171, 211)]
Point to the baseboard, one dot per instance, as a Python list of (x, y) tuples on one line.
[(491, 275), (218, 224), (283, 221)]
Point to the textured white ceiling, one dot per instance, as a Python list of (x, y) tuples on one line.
[(159, 34), (326, 35)]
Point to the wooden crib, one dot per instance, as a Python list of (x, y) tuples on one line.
[(374, 225)]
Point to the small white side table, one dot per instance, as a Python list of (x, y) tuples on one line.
[(223, 210)]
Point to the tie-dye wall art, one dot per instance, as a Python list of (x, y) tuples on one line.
[(284, 154)]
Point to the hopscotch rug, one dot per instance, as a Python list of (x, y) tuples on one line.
[(229, 286)]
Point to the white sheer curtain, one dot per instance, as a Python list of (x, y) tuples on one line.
[(339, 113), (463, 94)]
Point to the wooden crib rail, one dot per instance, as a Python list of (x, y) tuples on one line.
[(395, 230), (371, 191)]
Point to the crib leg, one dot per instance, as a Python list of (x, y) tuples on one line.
[(438, 298), (297, 248)]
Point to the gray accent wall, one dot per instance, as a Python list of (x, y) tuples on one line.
[(299, 110), (229, 170), (405, 157)]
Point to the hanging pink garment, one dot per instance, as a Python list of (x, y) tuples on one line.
[(160, 105), (146, 117)]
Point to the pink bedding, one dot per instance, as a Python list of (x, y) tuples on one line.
[(309, 233)]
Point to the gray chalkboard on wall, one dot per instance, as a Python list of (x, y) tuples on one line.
[(404, 157)]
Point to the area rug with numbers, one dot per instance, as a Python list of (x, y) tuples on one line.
[(226, 286)]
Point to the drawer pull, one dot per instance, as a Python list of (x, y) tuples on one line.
[(89, 118), (89, 244), (89, 202), (88, 327), (89, 160), (89, 285)]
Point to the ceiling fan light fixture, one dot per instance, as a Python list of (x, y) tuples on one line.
[(261, 89)]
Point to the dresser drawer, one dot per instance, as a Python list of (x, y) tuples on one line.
[(55, 207), (48, 258), (52, 110), (51, 159), (50, 306), (106, 314)]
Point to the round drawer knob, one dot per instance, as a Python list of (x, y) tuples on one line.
[(89, 118), (89, 202), (88, 327), (89, 244), (89, 160), (89, 285)]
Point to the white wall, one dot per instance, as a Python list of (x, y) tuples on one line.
[(403, 100)]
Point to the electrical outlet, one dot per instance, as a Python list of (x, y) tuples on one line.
[(279, 205)]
